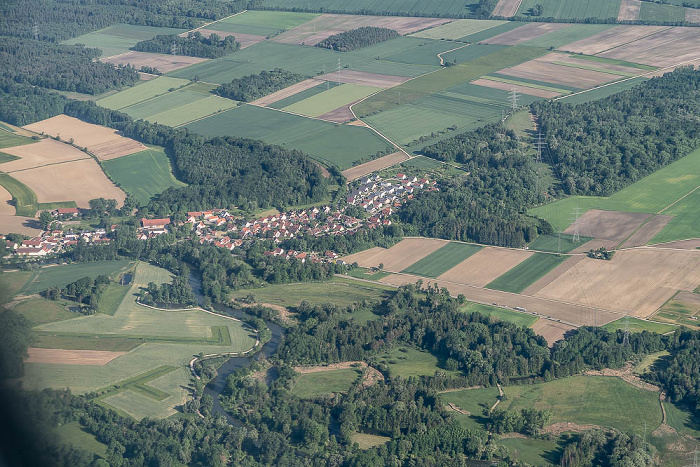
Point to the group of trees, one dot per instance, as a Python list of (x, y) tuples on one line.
[(613, 448), (357, 38), (84, 291), (251, 87), (528, 421), (178, 292), (194, 45)]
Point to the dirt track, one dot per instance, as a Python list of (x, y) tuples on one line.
[(71, 357)]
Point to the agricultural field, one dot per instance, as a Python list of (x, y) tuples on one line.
[(59, 276), (325, 382), (264, 23), (161, 62), (639, 325), (331, 99), (442, 260), (526, 273), (662, 13), (24, 201), (143, 175), (425, 8), (142, 92), (40, 311), (44, 152), (681, 312), (368, 274), (457, 29), (500, 314), (573, 9), (561, 243), (9, 139), (398, 257), (602, 91), (485, 266), (118, 39)]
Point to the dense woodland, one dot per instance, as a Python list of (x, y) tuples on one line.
[(194, 45), (251, 87), (357, 38), (84, 291)]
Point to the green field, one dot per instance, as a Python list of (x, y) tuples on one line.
[(601, 92), (325, 382), (541, 452), (474, 401), (40, 311), (331, 99), (680, 313), (398, 7), (406, 362), (491, 32), (170, 101), (23, 197), (526, 273), (573, 9), (300, 96), (681, 418), (456, 29), (9, 140), (367, 441), (421, 163), (193, 111), (261, 23), (442, 259), (661, 13), (425, 53), (59, 276), (73, 433), (119, 38), (639, 325), (143, 175), (567, 35), (11, 283), (558, 243), (111, 298), (501, 314), (141, 92), (471, 52), (363, 273), (652, 194)]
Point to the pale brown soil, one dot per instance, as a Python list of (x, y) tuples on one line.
[(6, 209), (485, 265), (688, 298), (324, 172), (595, 244), (44, 152), (364, 78), (690, 244), (610, 38), (525, 33), (551, 330), (558, 74), (17, 224), (608, 225), (71, 357), (78, 181), (692, 15), (487, 83), (506, 8), (246, 40), (399, 256), (567, 58), (146, 76), (339, 115), (629, 10), (545, 280), (557, 429), (287, 92), (647, 231), (626, 375), (662, 49), (367, 168), (103, 142), (371, 378), (163, 62)]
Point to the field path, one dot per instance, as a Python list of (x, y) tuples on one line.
[(442, 62)]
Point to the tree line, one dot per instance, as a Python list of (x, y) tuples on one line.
[(357, 38), (251, 87), (194, 45)]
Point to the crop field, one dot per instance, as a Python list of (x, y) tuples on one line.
[(331, 99), (611, 38), (10, 139), (59, 276), (552, 331), (43, 152), (193, 111), (325, 382), (426, 52), (292, 94), (457, 29), (520, 87), (526, 273), (143, 174), (161, 62), (485, 266), (119, 38), (24, 199), (501, 314), (442, 260), (686, 220), (424, 8), (39, 310), (639, 325), (603, 91), (262, 22), (573, 9), (526, 33), (353, 173), (71, 357), (562, 243), (164, 103), (560, 37), (11, 283), (669, 47), (663, 13), (398, 257), (142, 91), (545, 71)]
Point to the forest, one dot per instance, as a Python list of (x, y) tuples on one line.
[(251, 87), (194, 45), (357, 38), (84, 291)]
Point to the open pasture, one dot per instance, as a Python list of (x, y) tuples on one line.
[(44, 152), (335, 97), (442, 260), (573, 9), (141, 92), (457, 29), (611, 38), (666, 48), (485, 266), (325, 382), (525, 33), (608, 225), (423, 8), (119, 38), (400, 256), (60, 276), (105, 143), (526, 273), (542, 70), (263, 23), (143, 175), (71, 357), (41, 310), (162, 62), (501, 314), (367, 168)]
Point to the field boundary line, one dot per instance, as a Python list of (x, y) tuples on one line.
[(635, 40), (48, 165), (679, 199), (212, 22)]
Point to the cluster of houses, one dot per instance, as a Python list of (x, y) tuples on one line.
[(379, 197), (53, 241)]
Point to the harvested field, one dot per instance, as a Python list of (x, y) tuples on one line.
[(647, 231), (367, 168), (556, 74), (71, 357), (399, 256), (688, 298), (286, 92), (506, 8), (44, 152), (545, 280), (78, 181), (551, 330), (6, 209), (164, 63), (692, 15), (595, 244), (485, 265), (458, 28), (629, 10), (339, 115), (364, 78), (608, 225), (596, 65), (19, 224), (246, 40), (103, 142), (318, 29), (524, 33), (611, 38), (666, 48), (618, 285), (487, 83), (690, 244)]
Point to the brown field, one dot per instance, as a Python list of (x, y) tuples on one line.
[(361, 77), (692, 15), (525, 33), (314, 31), (71, 357), (506, 8), (103, 142), (610, 38), (339, 115), (399, 256), (44, 152), (545, 280), (9, 223), (287, 92), (485, 265), (78, 181), (164, 63), (666, 48), (595, 244), (689, 298), (566, 58), (690, 244), (367, 168), (608, 225), (6, 209), (551, 330), (638, 281), (556, 74), (487, 83), (647, 231), (246, 40), (629, 10)]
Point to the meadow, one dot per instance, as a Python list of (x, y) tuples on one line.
[(118, 39), (73, 433), (39, 311), (442, 260), (526, 273), (143, 175), (59, 276), (573, 9), (639, 325), (557, 243), (24, 198), (500, 314), (406, 362), (325, 382)]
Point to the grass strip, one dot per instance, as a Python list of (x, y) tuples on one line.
[(23, 197)]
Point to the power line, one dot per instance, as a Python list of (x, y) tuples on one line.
[(539, 144), (35, 31), (173, 48), (513, 98), (576, 216)]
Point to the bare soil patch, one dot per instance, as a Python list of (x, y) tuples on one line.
[(692, 15), (367, 168), (688, 298), (572, 59), (71, 357), (78, 181), (629, 10), (506, 8), (371, 377), (524, 33), (637, 281), (558, 428), (545, 280), (610, 38), (666, 48), (164, 63), (608, 225), (399, 256), (246, 40), (44, 152), (485, 265), (287, 92), (557, 74), (364, 78), (105, 143), (339, 115), (487, 83), (647, 231), (551, 330)]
